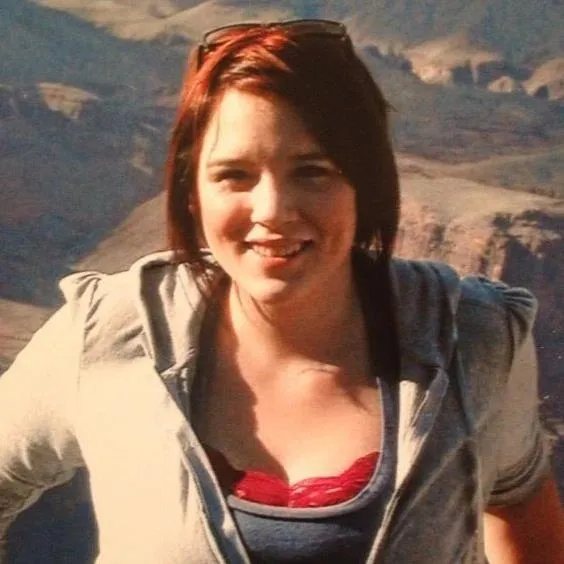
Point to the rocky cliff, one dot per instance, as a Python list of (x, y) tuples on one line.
[(74, 162)]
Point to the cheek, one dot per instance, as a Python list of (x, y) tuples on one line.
[(222, 219), (340, 213)]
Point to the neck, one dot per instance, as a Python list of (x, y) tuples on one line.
[(308, 326)]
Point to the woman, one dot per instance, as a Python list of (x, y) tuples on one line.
[(273, 391)]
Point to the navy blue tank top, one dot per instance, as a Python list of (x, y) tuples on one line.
[(341, 533)]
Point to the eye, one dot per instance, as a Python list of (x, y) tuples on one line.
[(232, 178), (313, 171), (314, 176), (230, 174)]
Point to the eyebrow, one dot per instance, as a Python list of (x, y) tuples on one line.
[(299, 157), (312, 156)]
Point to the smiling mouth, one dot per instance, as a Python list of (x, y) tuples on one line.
[(279, 250)]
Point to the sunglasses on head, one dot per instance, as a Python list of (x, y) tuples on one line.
[(300, 28)]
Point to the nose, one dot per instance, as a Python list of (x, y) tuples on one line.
[(272, 202)]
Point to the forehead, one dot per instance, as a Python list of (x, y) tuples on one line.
[(248, 123)]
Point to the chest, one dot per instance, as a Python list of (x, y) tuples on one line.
[(307, 420)]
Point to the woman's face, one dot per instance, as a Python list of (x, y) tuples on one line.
[(275, 212)]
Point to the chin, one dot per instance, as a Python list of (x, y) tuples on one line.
[(272, 292)]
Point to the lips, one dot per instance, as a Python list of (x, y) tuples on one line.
[(278, 248)]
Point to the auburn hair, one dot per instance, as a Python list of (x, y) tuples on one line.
[(332, 91)]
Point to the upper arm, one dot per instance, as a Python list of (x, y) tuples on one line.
[(38, 447), (499, 359), (523, 521), (522, 457)]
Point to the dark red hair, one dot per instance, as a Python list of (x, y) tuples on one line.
[(334, 94)]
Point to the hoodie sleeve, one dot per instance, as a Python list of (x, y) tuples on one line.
[(38, 449), (523, 451), (496, 334)]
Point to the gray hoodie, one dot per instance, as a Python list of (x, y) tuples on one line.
[(106, 382)]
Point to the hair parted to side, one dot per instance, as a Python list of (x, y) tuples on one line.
[(333, 93)]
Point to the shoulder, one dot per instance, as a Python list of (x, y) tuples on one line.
[(82, 285), (425, 279), (494, 318), (496, 300), (125, 313), (425, 296), (481, 305), (144, 281), (93, 296), (495, 347), (491, 318)]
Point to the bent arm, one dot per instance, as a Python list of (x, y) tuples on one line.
[(529, 532), (524, 521), (38, 449)]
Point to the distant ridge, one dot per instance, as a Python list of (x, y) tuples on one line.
[(40, 44), (525, 32)]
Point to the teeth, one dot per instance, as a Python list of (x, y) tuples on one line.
[(279, 251)]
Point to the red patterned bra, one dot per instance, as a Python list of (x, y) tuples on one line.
[(260, 487)]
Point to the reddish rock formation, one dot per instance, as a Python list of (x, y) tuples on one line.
[(548, 80), (505, 84)]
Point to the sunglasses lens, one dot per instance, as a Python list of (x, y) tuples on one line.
[(319, 27), (217, 36)]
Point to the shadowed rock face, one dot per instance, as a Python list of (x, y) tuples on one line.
[(547, 82), (505, 84), (73, 164), (455, 60)]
